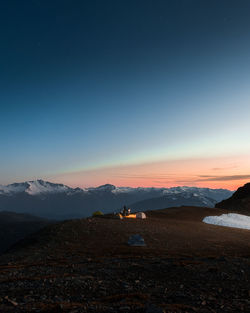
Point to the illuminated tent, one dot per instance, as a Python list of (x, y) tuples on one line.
[(141, 215)]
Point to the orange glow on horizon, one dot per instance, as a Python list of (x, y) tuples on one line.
[(229, 173)]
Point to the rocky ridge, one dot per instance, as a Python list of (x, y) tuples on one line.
[(239, 201)]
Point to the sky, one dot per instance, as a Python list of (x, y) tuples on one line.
[(132, 93)]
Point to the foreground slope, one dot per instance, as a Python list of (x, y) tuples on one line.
[(171, 232), (86, 266)]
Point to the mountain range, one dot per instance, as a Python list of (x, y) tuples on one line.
[(58, 201)]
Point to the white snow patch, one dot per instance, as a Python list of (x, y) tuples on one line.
[(229, 220), (123, 190), (14, 188), (35, 188), (38, 187)]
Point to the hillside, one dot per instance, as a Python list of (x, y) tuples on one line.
[(14, 227), (86, 266), (239, 201), (174, 231)]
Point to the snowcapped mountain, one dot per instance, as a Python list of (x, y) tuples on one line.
[(215, 194), (103, 188), (36, 187), (52, 200), (174, 200)]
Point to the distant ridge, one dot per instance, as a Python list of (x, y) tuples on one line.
[(37, 187), (58, 201), (169, 200)]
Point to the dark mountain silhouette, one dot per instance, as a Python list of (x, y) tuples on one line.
[(14, 227), (239, 201)]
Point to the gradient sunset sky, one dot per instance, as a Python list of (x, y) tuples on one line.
[(132, 93)]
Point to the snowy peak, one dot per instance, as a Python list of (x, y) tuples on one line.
[(36, 187), (106, 187), (13, 188), (41, 187)]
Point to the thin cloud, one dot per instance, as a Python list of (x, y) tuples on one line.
[(222, 178), (206, 176), (224, 168)]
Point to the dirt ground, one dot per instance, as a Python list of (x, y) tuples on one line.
[(87, 266)]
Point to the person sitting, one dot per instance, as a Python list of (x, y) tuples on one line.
[(124, 211)]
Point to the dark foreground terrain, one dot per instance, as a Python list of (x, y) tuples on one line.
[(86, 266), (16, 226)]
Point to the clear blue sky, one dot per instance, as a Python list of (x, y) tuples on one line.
[(90, 84)]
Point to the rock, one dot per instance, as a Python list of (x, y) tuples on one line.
[(11, 301), (136, 241), (240, 200)]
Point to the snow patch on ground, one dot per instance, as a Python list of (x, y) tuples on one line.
[(229, 220)]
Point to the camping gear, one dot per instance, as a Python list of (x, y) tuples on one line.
[(136, 241), (140, 215)]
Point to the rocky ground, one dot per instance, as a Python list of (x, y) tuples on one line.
[(87, 266)]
